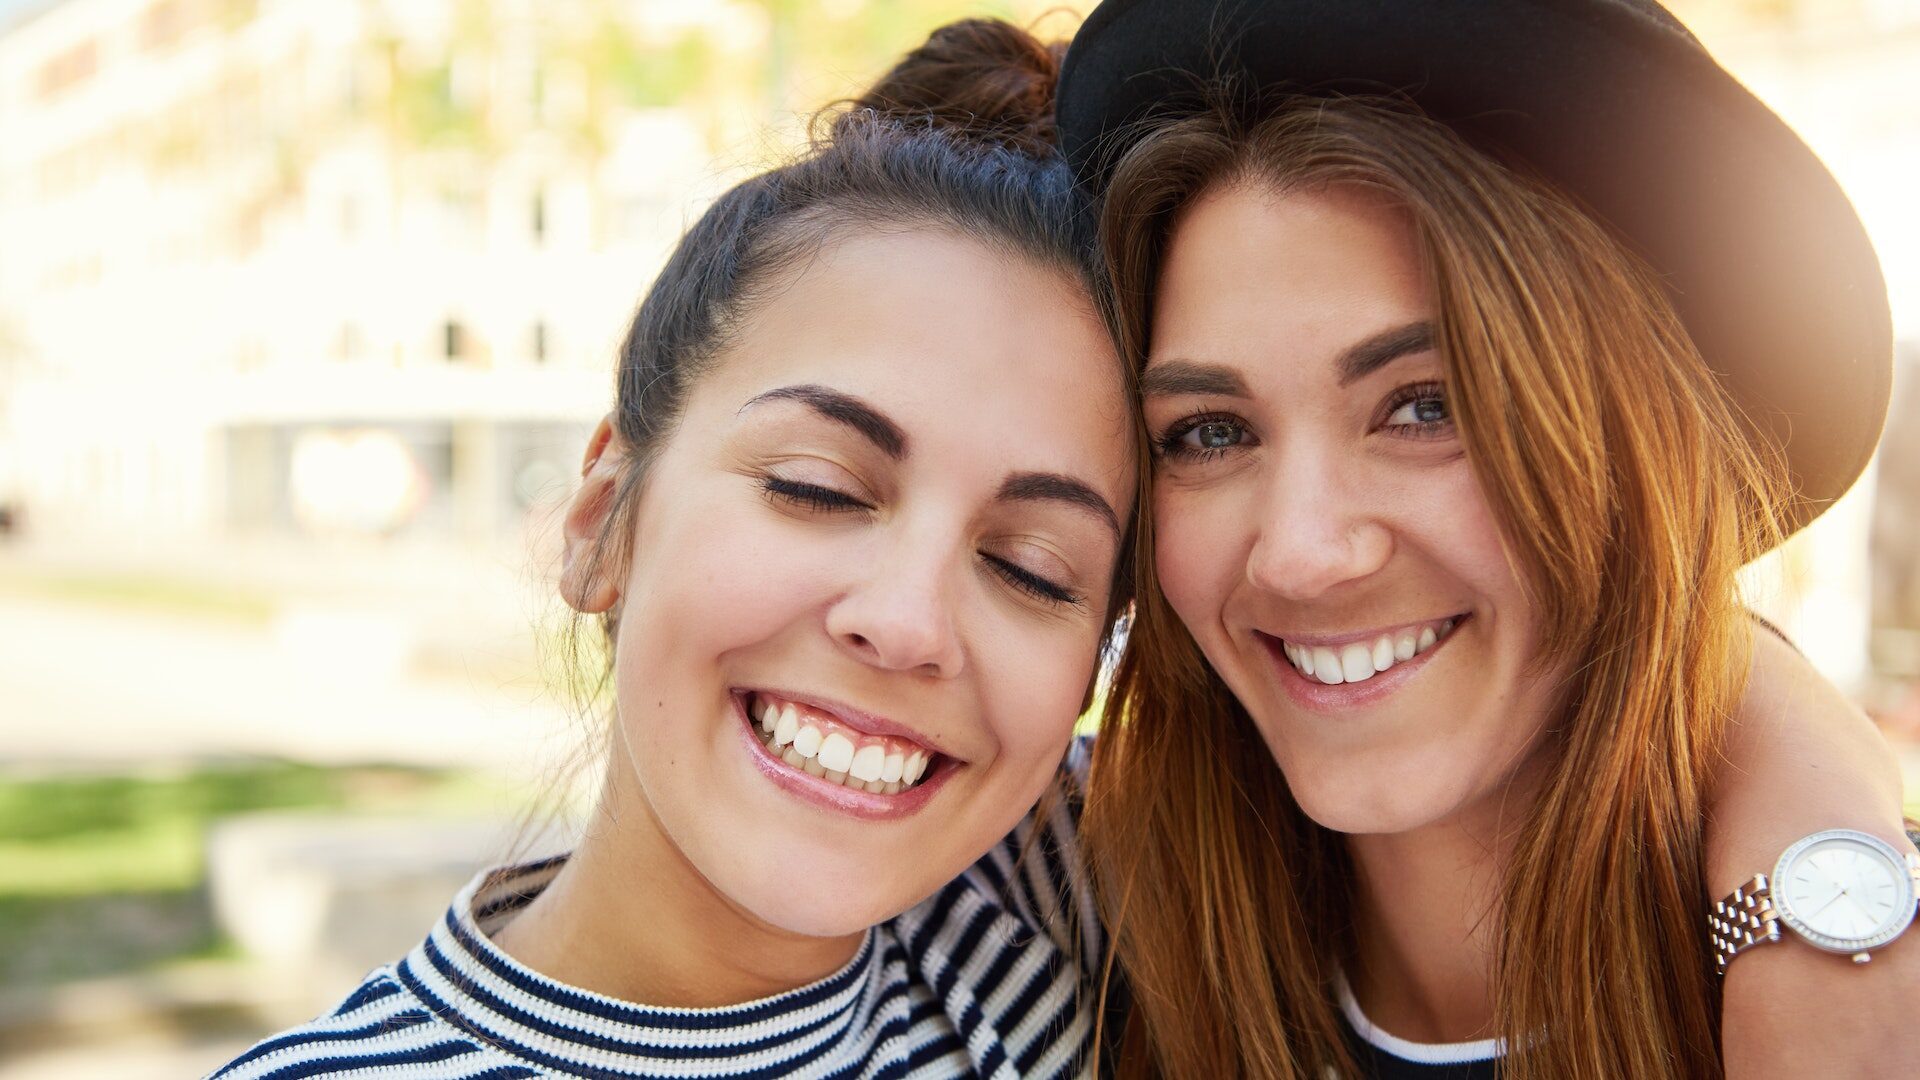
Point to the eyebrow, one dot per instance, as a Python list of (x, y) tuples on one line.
[(1053, 487), (1175, 377), (845, 409), (1366, 357)]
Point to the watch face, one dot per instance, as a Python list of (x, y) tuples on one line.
[(1843, 891)]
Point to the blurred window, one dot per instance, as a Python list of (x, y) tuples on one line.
[(69, 69), (454, 342), (163, 24)]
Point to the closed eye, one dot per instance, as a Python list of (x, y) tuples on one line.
[(1029, 582), (812, 496)]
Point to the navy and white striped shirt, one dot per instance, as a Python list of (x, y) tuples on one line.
[(980, 980)]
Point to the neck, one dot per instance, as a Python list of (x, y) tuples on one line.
[(629, 917), (1427, 918)]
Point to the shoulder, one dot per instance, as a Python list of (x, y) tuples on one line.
[(377, 1029)]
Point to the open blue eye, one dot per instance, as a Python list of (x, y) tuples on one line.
[(1214, 435), (1419, 410), (1203, 436)]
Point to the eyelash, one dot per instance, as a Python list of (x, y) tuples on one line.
[(1029, 582), (828, 500), (1171, 444), (812, 496), (1424, 429)]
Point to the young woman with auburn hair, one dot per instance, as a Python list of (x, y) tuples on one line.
[(1409, 763)]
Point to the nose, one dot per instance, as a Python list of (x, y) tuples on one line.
[(1316, 532), (900, 616)]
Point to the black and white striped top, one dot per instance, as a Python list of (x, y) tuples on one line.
[(980, 980)]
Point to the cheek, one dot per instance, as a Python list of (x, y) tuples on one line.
[(1034, 686), (1457, 526), (1199, 554), (711, 575)]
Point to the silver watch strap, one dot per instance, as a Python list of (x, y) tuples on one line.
[(1743, 919)]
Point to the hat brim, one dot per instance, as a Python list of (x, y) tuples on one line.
[(1767, 262)]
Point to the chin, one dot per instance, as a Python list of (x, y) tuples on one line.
[(1364, 794), (811, 900)]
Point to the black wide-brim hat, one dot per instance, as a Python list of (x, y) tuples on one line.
[(1614, 102)]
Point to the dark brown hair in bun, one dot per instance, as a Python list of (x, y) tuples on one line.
[(958, 136), (983, 77)]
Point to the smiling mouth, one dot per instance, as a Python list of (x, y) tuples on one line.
[(825, 746), (1362, 659)]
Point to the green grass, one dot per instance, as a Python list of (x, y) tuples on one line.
[(103, 874)]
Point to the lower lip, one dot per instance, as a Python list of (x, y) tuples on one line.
[(1311, 693), (831, 796)]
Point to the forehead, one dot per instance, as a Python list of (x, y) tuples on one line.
[(965, 346), (1252, 273)]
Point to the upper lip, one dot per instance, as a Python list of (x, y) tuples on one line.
[(1353, 637), (856, 718)]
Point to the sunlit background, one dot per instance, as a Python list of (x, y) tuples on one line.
[(306, 308)]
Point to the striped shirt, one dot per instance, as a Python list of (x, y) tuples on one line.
[(979, 980)]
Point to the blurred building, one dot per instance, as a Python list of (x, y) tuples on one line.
[(362, 266), (1842, 74), (315, 267)]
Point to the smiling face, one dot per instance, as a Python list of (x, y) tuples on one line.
[(1318, 526), (886, 525)]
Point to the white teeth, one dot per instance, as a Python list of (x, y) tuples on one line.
[(1383, 653), (807, 741), (1356, 662), (868, 763), (1326, 666), (1406, 645), (836, 752), (875, 767), (1360, 661)]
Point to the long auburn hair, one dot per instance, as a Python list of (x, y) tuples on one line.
[(1629, 494)]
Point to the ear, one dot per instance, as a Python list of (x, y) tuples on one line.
[(586, 591)]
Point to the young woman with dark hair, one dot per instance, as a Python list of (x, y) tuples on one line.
[(854, 526)]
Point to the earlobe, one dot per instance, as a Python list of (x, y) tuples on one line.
[(585, 584)]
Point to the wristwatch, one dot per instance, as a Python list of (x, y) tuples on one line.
[(1841, 890)]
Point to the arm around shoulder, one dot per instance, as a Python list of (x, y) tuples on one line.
[(1801, 758)]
